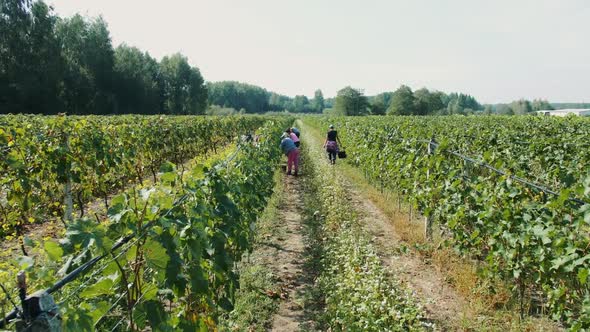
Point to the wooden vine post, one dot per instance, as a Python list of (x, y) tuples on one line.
[(68, 201), (428, 219)]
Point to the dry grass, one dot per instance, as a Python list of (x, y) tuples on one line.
[(461, 274)]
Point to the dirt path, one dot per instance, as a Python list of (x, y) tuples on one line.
[(289, 262), (443, 304)]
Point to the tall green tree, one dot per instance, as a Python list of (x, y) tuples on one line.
[(380, 103), (89, 62), (138, 85), (15, 20), (377, 107), (30, 60), (317, 103), (184, 88), (427, 102), (238, 95), (521, 107), (301, 104), (504, 109), (351, 101), (540, 105), (458, 103), (402, 102), (277, 102)]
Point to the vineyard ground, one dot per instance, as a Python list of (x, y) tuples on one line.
[(443, 303), (394, 231), (289, 263), (277, 280)]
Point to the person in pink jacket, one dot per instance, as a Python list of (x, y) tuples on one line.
[(292, 153), (293, 136)]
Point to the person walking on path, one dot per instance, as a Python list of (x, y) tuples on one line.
[(294, 137), (331, 144), (292, 153)]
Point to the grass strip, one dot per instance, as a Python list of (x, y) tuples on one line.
[(256, 301), (359, 294)]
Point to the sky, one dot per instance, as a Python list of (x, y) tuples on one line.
[(496, 51)]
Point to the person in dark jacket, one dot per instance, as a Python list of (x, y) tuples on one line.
[(331, 144)]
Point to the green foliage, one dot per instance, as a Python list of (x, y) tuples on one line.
[(236, 95), (423, 102), (220, 111), (427, 102), (184, 87), (188, 231), (350, 101), (317, 103), (89, 58), (300, 105), (96, 155), (254, 308), (559, 106), (138, 75), (504, 109), (278, 103), (521, 107), (254, 99), (458, 103), (540, 105), (328, 111), (380, 103), (31, 65), (403, 102), (530, 239), (51, 65), (255, 304)]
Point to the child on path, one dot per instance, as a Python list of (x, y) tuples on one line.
[(292, 153)]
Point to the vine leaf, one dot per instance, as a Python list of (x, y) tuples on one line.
[(156, 255), (102, 287), (53, 250)]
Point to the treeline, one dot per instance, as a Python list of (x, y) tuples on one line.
[(403, 101), (518, 107), (50, 64), (560, 106), (247, 98)]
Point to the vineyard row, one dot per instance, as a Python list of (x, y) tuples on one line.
[(536, 242)]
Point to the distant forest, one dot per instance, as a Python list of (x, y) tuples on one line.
[(561, 106), (50, 65)]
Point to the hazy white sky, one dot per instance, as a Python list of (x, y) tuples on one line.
[(497, 50)]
